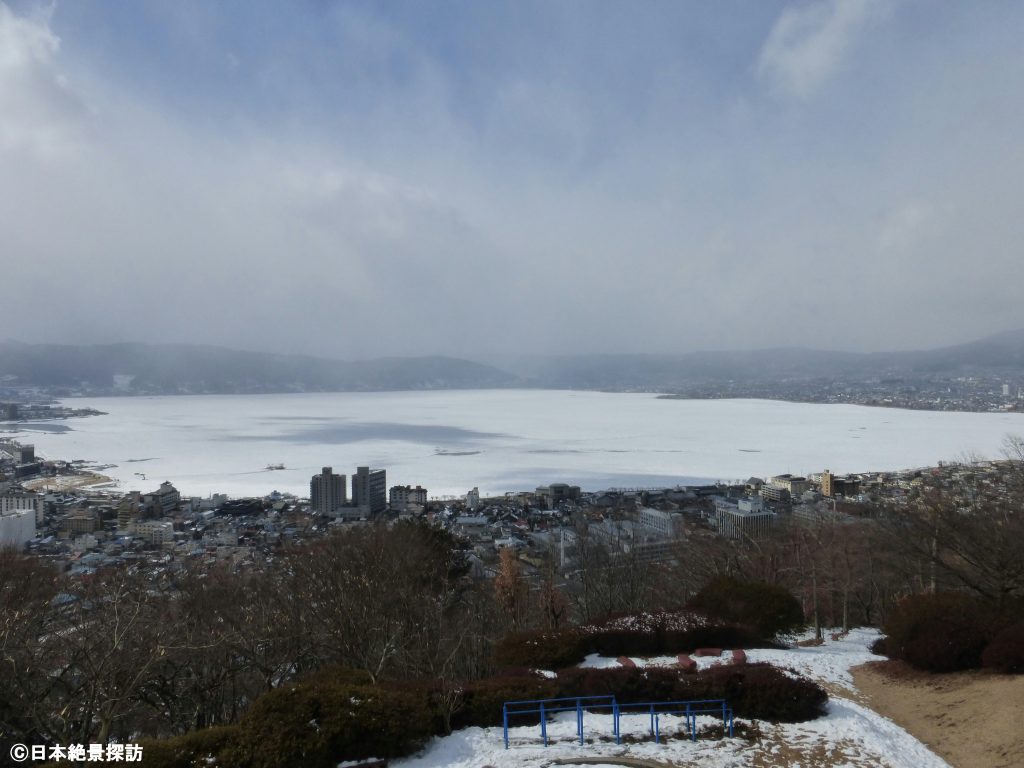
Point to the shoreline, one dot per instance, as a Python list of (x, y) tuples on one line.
[(81, 480), (660, 394)]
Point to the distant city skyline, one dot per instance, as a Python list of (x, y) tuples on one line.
[(355, 179)]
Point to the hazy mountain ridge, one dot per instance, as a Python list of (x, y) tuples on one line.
[(136, 368), (995, 354)]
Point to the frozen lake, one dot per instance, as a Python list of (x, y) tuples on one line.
[(500, 440)]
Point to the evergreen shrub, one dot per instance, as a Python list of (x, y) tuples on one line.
[(757, 691), (1006, 651), (319, 723), (191, 750), (766, 609), (940, 632), (542, 649), (482, 700)]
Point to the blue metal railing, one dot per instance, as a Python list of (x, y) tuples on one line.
[(654, 709), (688, 709), (545, 707)]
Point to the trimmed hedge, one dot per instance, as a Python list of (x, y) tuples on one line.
[(668, 643), (767, 609), (660, 635), (753, 690), (941, 632), (1006, 651)]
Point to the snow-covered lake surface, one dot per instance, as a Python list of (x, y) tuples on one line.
[(499, 440)]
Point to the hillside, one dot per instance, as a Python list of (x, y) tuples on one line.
[(194, 369), (137, 368), (1002, 353)]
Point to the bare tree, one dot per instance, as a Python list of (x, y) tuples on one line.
[(28, 589), (965, 530), (510, 589)]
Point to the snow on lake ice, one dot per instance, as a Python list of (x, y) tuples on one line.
[(500, 440)]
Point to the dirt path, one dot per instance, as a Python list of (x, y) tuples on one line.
[(972, 719)]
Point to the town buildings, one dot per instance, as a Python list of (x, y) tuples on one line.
[(839, 486)]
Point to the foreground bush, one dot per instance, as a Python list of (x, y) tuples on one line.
[(941, 632), (545, 649), (880, 646), (1006, 651), (482, 699), (765, 692), (193, 750), (320, 722), (767, 609)]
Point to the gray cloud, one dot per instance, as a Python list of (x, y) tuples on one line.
[(873, 206), (809, 42)]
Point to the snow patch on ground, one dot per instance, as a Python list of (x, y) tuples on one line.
[(597, 661), (829, 662)]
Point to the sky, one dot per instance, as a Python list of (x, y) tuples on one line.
[(359, 179)]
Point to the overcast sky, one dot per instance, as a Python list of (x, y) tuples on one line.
[(473, 178)]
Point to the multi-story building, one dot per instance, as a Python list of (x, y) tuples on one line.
[(796, 485), (552, 495), (17, 527), (328, 492), (771, 492), (128, 509), (81, 521), (369, 490), (20, 502), (659, 523), (403, 498), (744, 517), (163, 500), (157, 532), (473, 500), (832, 486)]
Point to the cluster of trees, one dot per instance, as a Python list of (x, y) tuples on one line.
[(131, 651)]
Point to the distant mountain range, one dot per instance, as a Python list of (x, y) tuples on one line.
[(993, 355), (194, 369), (136, 368)]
